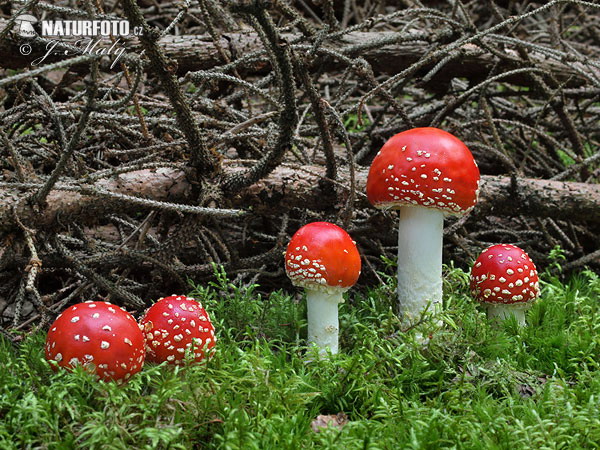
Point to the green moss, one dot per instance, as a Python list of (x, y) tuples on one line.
[(471, 386)]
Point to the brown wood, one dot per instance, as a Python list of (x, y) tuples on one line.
[(290, 186), (199, 52)]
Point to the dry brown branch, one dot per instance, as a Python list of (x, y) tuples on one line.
[(77, 203), (290, 186), (386, 52), (204, 160)]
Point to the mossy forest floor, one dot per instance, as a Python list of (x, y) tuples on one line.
[(471, 386)]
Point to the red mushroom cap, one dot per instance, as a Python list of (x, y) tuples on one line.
[(175, 324), (505, 274), (322, 256), (100, 336), (424, 167)]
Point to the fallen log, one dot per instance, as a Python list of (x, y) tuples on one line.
[(387, 51), (286, 187), (299, 186)]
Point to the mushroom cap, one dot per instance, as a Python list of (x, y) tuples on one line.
[(101, 336), (321, 256), (504, 274), (424, 167), (175, 324)]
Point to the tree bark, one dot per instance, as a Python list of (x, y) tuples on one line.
[(501, 196), (288, 187), (199, 52)]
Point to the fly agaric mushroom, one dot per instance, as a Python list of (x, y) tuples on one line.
[(427, 173), (505, 280), (322, 258), (101, 337), (175, 324)]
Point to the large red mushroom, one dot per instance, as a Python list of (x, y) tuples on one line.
[(427, 173), (100, 336), (175, 325), (322, 258), (505, 280)]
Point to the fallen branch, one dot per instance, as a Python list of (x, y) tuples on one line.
[(288, 187), (134, 191), (285, 188), (387, 52)]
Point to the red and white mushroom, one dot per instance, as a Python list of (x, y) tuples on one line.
[(175, 325), (505, 280), (100, 336), (322, 258), (426, 173)]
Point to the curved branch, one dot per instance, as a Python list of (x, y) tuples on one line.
[(282, 65), (206, 161)]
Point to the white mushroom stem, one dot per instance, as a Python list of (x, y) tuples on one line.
[(323, 323), (502, 312), (420, 235)]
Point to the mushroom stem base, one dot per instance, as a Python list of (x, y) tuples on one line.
[(420, 234), (502, 312), (323, 323)]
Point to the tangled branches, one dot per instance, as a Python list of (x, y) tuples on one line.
[(122, 178)]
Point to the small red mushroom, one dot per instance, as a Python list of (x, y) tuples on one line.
[(100, 336), (427, 173), (505, 280), (174, 325), (322, 258)]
